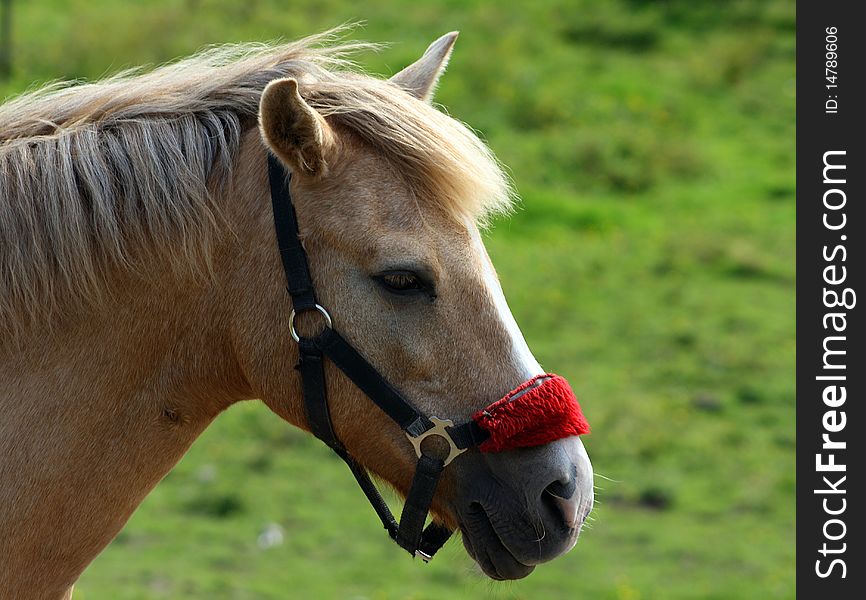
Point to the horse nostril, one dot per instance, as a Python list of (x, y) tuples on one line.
[(564, 489), (566, 499)]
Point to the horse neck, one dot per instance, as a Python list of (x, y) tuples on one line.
[(96, 412)]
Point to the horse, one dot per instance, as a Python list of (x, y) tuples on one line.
[(141, 293)]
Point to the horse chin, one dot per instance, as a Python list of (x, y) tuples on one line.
[(487, 549)]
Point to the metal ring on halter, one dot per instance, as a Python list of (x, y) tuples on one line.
[(322, 312), (423, 556), (438, 428)]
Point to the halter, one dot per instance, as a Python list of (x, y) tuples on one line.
[(541, 410)]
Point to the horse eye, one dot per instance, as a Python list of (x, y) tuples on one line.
[(401, 282)]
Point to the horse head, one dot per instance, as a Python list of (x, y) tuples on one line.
[(389, 216)]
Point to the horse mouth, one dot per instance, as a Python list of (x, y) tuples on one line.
[(487, 548)]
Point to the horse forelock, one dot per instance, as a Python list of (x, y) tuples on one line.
[(96, 176)]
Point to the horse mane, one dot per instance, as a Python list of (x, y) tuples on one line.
[(95, 176)]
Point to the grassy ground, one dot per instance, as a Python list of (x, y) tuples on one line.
[(652, 264)]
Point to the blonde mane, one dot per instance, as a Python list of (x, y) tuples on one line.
[(96, 176)]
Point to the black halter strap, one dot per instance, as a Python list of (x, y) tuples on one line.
[(410, 533)]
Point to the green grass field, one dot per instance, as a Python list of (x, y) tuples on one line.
[(652, 263)]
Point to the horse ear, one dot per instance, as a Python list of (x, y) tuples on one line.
[(420, 78), (293, 129)]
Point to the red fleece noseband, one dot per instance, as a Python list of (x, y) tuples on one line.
[(539, 411)]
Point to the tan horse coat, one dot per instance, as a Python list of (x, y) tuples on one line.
[(141, 292)]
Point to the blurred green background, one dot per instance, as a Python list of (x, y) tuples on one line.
[(652, 263)]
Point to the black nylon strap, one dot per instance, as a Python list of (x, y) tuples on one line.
[(468, 434), (433, 538), (310, 366), (373, 496), (410, 532), (418, 502), (292, 253), (371, 382)]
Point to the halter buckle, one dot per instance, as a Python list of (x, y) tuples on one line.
[(439, 428), (423, 556)]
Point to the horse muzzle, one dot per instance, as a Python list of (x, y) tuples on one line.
[(523, 498), (520, 508)]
